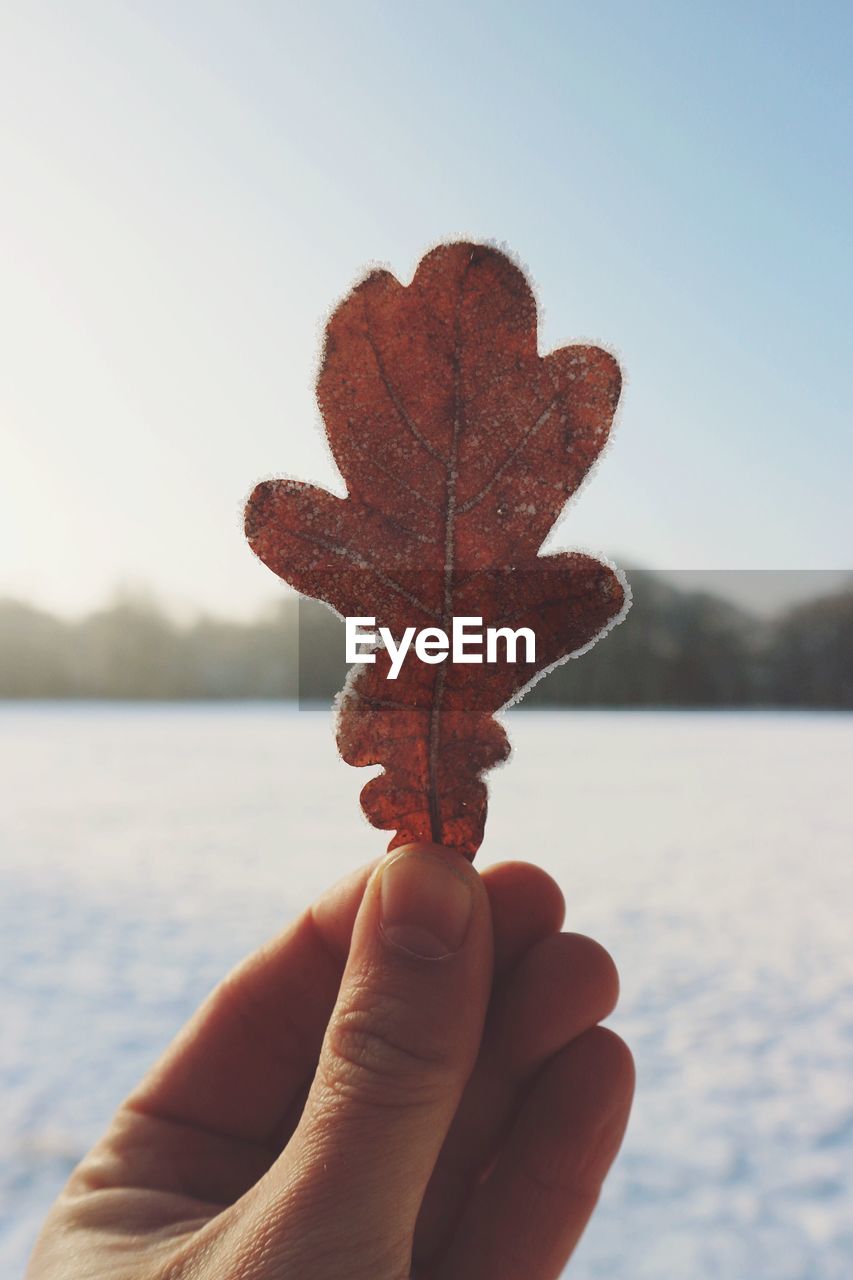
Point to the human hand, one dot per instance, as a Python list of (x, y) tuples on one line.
[(344, 1108)]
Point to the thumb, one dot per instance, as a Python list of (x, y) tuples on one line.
[(399, 1048)]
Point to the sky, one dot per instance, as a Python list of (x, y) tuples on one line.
[(188, 189)]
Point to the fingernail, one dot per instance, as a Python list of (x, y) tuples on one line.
[(425, 904)]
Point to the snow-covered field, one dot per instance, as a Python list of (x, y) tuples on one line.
[(144, 849)]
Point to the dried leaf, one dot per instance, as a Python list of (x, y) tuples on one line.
[(459, 446)]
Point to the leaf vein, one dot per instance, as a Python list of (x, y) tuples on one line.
[(510, 458), (402, 412), (346, 553)]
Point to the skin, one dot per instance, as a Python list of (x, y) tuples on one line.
[(343, 1109)]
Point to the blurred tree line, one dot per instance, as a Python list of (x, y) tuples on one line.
[(677, 648)]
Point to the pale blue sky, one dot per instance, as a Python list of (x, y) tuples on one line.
[(187, 188)]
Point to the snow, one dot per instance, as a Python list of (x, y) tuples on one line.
[(143, 850)]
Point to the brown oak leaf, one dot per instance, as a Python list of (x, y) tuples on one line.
[(459, 445)]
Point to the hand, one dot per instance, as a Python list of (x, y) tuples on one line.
[(408, 1081)]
